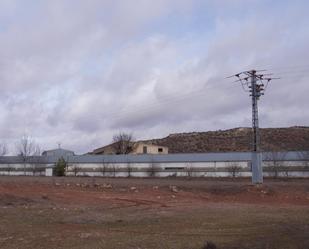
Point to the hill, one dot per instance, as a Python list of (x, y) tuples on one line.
[(237, 139)]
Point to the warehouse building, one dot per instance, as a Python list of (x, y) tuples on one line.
[(234, 164)]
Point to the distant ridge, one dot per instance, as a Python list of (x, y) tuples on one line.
[(237, 139)]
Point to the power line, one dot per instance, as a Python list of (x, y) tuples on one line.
[(294, 67), (295, 76), (292, 72), (255, 83), (132, 109)]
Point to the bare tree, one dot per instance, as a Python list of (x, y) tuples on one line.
[(32, 163), (123, 143), (104, 168), (26, 148), (34, 169), (189, 169), (76, 170), (10, 168), (38, 166), (153, 169), (286, 172), (3, 149), (114, 170), (234, 169), (276, 158), (129, 169), (304, 156), (35, 160)]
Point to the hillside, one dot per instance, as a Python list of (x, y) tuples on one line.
[(238, 139)]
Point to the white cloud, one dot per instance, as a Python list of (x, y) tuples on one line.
[(77, 72)]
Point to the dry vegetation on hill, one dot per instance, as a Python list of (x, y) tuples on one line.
[(238, 139)]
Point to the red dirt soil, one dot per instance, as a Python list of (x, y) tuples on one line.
[(153, 192), (174, 213)]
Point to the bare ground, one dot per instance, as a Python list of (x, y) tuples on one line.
[(42, 212)]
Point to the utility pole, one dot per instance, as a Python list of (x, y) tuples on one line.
[(256, 91), (255, 83)]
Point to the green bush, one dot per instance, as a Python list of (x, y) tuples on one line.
[(60, 167)]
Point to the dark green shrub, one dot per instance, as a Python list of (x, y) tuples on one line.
[(60, 167)]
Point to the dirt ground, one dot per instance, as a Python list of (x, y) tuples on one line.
[(171, 213)]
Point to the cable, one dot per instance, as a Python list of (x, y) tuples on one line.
[(159, 104), (274, 68), (154, 106)]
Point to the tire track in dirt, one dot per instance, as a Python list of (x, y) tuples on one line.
[(141, 202)]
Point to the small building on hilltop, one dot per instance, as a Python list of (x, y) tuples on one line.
[(135, 148), (145, 148)]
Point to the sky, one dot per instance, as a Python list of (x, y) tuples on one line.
[(78, 72)]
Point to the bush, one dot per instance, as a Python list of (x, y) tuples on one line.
[(234, 169), (60, 167), (209, 245)]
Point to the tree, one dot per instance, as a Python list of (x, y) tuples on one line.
[(27, 147), (304, 156), (76, 170), (129, 169), (114, 170), (60, 167), (3, 149), (123, 143), (104, 168), (234, 169), (33, 168), (276, 158), (35, 161), (189, 169), (153, 169), (9, 169)]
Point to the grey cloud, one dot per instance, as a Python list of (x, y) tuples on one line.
[(76, 72)]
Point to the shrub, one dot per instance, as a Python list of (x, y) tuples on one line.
[(234, 169), (209, 245), (60, 167)]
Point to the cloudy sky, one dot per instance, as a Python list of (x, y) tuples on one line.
[(77, 72)]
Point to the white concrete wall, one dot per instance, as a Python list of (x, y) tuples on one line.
[(23, 169), (194, 169)]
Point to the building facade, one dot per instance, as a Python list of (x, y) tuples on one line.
[(135, 148), (237, 164)]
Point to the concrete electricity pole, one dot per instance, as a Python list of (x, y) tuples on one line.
[(255, 84)]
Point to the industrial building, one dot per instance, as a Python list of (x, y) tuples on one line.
[(233, 164)]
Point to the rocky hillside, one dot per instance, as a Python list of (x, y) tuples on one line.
[(238, 139)]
